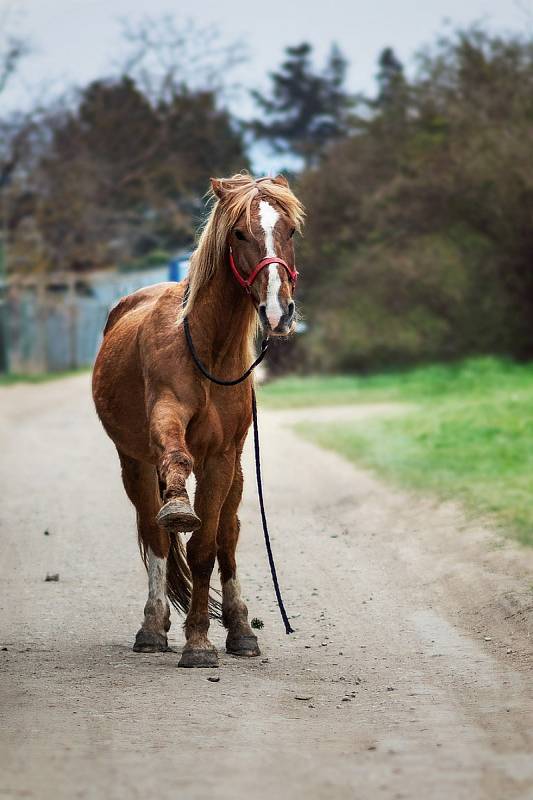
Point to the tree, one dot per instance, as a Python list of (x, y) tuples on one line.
[(12, 50), (306, 109), (392, 86), (391, 106), (428, 208), (119, 168), (119, 176), (164, 57)]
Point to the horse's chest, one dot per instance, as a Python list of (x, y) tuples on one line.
[(218, 427)]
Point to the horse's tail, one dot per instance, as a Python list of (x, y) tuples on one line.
[(179, 582), (179, 579)]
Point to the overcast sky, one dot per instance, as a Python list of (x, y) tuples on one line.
[(77, 40)]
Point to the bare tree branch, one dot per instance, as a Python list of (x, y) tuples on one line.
[(164, 57)]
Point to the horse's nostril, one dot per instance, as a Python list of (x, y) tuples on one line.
[(290, 309), (262, 314)]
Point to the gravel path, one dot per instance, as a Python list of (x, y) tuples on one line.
[(409, 675)]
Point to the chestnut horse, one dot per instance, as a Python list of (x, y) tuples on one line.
[(167, 420)]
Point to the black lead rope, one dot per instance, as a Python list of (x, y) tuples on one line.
[(204, 371), (282, 611), (257, 452)]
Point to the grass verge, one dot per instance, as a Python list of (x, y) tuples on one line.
[(473, 377), (470, 437), (13, 379)]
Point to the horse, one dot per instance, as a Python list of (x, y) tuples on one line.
[(168, 421)]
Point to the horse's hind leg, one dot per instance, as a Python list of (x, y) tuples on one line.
[(140, 482), (213, 483), (174, 464), (241, 640)]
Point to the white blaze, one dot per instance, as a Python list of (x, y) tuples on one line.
[(268, 216)]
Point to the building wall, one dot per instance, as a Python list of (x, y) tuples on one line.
[(56, 324)]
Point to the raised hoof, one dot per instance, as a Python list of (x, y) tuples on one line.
[(246, 646), (198, 658), (149, 642), (177, 515)]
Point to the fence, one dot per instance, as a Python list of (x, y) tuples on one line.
[(57, 324)]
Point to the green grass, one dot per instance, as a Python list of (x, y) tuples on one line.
[(40, 377), (469, 438), (473, 376)]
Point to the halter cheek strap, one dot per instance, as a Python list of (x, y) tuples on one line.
[(246, 283)]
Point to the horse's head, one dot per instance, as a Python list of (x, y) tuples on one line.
[(259, 244)]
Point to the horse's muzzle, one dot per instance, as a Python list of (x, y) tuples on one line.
[(284, 326)]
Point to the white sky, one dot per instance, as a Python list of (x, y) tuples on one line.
[(75, 41)]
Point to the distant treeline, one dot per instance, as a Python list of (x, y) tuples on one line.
[(419, 240), (419, 237), (114, 173)]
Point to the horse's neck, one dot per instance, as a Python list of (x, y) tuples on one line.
[(221, 322)]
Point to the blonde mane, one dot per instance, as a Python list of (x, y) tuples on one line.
[(238, 194)]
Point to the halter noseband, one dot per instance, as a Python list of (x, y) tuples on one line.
[(246, 283)]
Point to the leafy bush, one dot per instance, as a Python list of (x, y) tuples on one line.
[(419, 238)]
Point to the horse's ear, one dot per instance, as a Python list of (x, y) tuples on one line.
[(281, 180), (218, 188)]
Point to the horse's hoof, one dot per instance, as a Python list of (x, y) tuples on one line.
[(246, 646), (177, 515), (150, 642), (198, 658)]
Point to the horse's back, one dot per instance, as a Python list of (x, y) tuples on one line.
[(142, 299)]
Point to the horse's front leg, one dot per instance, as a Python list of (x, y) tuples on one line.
[(213, 483), (241, 640), (168, 421)]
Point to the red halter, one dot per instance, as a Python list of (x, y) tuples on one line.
[(246, 283)]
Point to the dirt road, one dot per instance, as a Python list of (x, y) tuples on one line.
[(412, 647)]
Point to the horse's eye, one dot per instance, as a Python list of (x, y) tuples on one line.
[(240, 235), (291, 234)]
